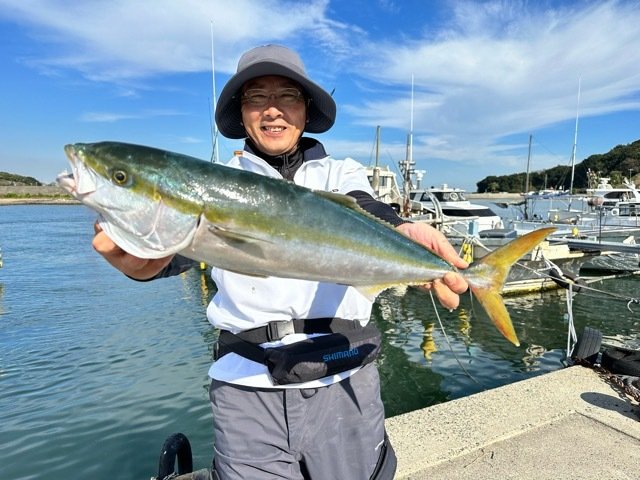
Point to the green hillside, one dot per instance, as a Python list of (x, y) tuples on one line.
[(621, 161), (13, 179)]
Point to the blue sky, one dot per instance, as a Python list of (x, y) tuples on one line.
[(486, 76)]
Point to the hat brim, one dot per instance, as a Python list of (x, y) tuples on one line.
[(321, 113)]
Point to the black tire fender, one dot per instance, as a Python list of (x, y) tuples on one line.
[(564, 279), (623, 361), (588, 345), (175, 447)]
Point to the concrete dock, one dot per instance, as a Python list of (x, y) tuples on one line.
[(569, 424)]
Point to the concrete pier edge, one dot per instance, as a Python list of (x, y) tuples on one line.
[(571, 423)]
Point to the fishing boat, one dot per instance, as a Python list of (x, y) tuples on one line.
[(452, 205)]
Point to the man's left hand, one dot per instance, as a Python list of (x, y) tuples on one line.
[(452, 284)]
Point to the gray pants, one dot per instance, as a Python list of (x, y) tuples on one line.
[(333, 432)]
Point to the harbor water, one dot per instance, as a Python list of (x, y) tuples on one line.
[(96, 370)]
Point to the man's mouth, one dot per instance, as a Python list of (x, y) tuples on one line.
[(273, 129)]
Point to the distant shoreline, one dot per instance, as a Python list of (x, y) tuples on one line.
[(34, 195), (38, 201)]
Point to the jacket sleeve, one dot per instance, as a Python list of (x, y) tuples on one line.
[(376, 208), (178, 265)]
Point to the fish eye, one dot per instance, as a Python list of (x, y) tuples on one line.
[(120, 177)]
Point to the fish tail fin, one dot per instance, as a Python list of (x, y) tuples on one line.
[(494, 268)]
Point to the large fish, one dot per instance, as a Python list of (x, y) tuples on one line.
[(155, 203)]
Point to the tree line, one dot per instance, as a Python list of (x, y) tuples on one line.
[(622, 161), (13, 179)]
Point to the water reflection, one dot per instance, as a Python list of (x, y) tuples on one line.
[(532, 358), (428, 345), (427, 361)]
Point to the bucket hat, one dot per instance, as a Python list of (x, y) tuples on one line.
[(272, 60)]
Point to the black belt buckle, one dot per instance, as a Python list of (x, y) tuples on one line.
[(280, 329)]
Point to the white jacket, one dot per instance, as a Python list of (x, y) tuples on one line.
[(245, 302)]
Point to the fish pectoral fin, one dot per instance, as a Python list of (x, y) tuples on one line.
[(233, 235), (248, 244)]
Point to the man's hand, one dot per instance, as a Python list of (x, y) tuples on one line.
[(452, 284), (134, 267)]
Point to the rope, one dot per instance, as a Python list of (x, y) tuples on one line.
[(572, 338), (446, 337)]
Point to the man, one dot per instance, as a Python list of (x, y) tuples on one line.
[(318, 424)]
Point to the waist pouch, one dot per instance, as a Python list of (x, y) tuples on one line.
[(312, 358)]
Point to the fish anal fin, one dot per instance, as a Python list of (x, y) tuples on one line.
[(370, 292)]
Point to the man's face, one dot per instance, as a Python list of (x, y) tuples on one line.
[(275, 127)]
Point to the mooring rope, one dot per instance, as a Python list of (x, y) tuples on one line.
[(446, 337)]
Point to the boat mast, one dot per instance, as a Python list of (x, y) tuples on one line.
[(375, 178), (526, 181), (214, 127), (407, 165), (377, 145), (575, 141)]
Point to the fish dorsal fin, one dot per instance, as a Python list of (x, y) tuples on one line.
[(349, 202), (339, 198)]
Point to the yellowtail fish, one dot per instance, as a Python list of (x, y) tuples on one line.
[(154, 203)]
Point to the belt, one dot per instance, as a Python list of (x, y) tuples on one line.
[(277, 330), (246, 342)]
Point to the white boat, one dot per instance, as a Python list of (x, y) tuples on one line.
[(606, 195), (605, 210), (453, 206)]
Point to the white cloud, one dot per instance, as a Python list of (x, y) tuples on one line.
[(121, 39), (501, 68), (492, 70), (110, 117)]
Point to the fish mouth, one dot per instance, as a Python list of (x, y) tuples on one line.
[(67, 182), (81, 180)]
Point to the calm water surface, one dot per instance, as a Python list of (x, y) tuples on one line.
[(97, 370)]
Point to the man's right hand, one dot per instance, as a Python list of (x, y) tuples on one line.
[(134, 267)]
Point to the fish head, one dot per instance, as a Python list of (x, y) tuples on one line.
[(142, 204)]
